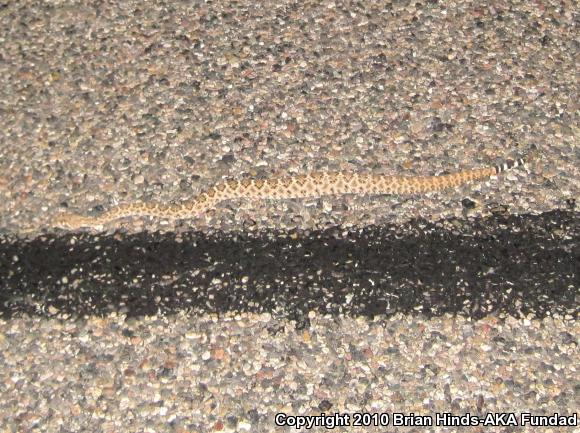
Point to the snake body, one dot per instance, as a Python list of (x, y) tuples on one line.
[(315, 184)]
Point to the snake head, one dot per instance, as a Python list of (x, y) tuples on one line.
[(70, 221)]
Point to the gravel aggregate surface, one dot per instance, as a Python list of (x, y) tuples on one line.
[(241, 327), (524, 266), (131, 102), (107, 102), (234, 373)]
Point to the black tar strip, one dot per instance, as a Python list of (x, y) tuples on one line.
[(517, 265)]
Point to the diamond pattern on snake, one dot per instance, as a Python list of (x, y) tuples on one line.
[(313, 185)]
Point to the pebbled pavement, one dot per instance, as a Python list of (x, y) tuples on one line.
[(515, 265)]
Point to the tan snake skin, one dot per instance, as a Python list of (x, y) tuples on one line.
[(310, 185)]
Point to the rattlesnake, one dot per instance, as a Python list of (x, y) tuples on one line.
[(304, 186)]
